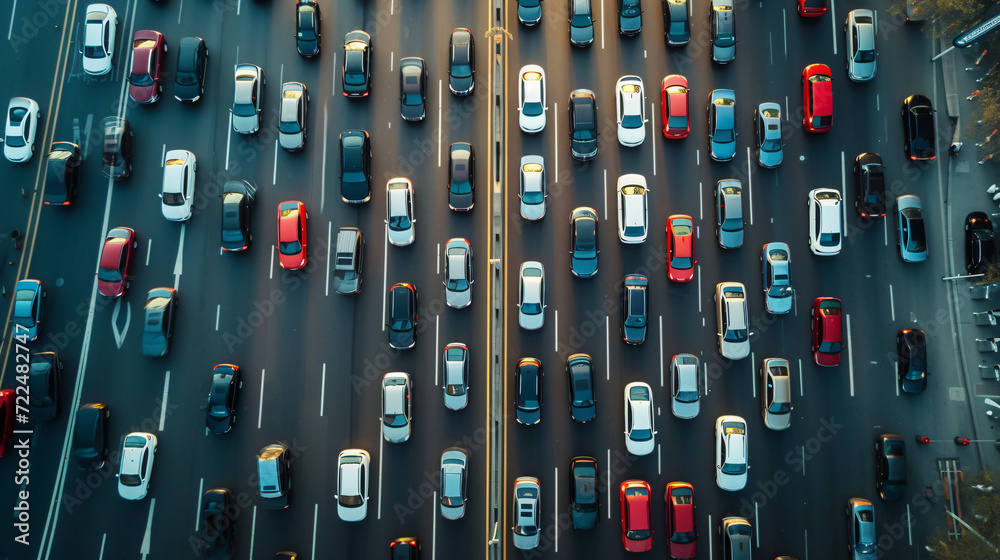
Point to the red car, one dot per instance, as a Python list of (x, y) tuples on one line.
[(680, 248), (682, 531), (6, 420), (811, 8), (116, 261), (674, 104), (817, 98), (637, 516), (826, 335), (144, 81), (292, 217)]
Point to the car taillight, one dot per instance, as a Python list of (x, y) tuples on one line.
[(65, 203), (365, 94)]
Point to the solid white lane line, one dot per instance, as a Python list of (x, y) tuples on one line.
[(607, 347), (329, 234), (705, 376), (333, 78), (601, 21), (253, 530), (271, 268), (381, 442), (833, 23), (163, 156), (786, 108), (555, 509), (229, 138), (163, 403), (179, 11), (197, 509), (437, 260), (892, 304), (322, 391), (260, 404), (104, 539), (701, 201), (756, 522), (10, 30), (434, 529), (179, 263), (437, 344), (878, 103), (555, 333), (274, 172), (652, 133), (850, 353), (750, 185), (607, 471), (315, 519), (555, 128), (661, 350), (605, 194), (239, 4), (149, 248), (385, 273), (144, 549), (439, 122), (806, 538), (843, 194), (218, 310), (770, 45), (698, 270), (697, 157), (885, 232), (392, 58), (659, 462), (710, 547), (802, 386), (784, 30), (909, 526), (803, 460), (753, 383), (322, 176)]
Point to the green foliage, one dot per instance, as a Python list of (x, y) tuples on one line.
[(981, 510)]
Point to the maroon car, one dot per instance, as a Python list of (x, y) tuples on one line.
[(144, 81), (116, 261)]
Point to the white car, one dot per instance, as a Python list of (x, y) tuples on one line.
[(99, 39), (731, 314), (531, 99), (631, 103), (860, 35), (825, 222), (456, 376), (458, 275), (633, 208), (639, 426), (533, 190), (454, 481), (527, 512), (685, 392), (136, 466), (396, 412), (352, 484), (399, 211), (19, 134), (179, 168), (247, 94), (731, 453), (531, 296)]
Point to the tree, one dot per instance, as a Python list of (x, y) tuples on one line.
[(981, 510)]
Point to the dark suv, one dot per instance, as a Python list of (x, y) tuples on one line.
[(218, 527), (890, 466), (461, 177), (528, 383), (307, 32), (45, 384), (634, 308), (402, 316), (918, 128), (63, 180), (116, 159), (189, 79), (582, 124), (583, 500), (355, 166), (869, 182), (980, 243), (90, 436), (580, 380), (237, 206), (911, 361)]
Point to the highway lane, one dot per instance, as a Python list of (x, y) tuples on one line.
[(244, 309), (819, 461)]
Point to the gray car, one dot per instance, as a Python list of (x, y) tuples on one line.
[(911, 237), (776, 263), (454, 480), (533, 190), (247, 98), (456, 376), (767, 119), (723, 19), (729, 213), (731, 314), (396, 413), (458, 273), (292, 116), (860, 35), (685, 391), (776, 393), (527, 523), (531, 296), (399, 211)]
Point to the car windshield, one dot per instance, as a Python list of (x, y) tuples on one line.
[(399, 223), (782, 290), (735, 335), (455, 390), (395, 420), (140, 80), (109, 274), (529, 308), (828, 347), (687, 396), (533, 197), (580, 20), (677, 123), (244, 109), (632, 121), (401, 324), (350, 501), (528, 3), (218, 410), (290, 247), (94, 51), (641, 435), (917, 242), (771, 144), (780, 408), (173, 199)]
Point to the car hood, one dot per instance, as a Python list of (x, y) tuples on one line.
[(584, 148), (396, 434), (685, 410), (533, 211), (529, 416), (462, 85), (770, 159), (413, 112), (404, 237), (634, 333), (722, 151), (584, 413), (189, 92), (154, 344), (292, 142), (529, 14), (110, 289), (459, 299), (456, 402), (914, 385), (581, 35), (531, 322), (245, 125), (780, 305), (399, 339), (731, 239), (584, 268), (584, 520), (723, 54), (735, 350), (461, 201), (862, 71), (217, 425)]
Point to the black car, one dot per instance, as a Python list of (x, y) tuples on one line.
[(404, 548), (462, 62), (402, 315), (161, 306), (634, 308), (980, 245), (237, 206), (357, 70), (890, 466), (90, 436), (307, 32), (869, 182), (528, 384), (676, 27), (217, 532), (582, 124), (355, 166), (580, 379), (583, 498), (63, 179), (189, 79), (911, 361), (583, 244), (918, 128), (44, 385), (629, 17), (412, 88), (461, 177), (220, 413), (529, 12), (116, 156), (581, 23)]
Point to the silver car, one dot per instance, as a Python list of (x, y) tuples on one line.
[(458, 273), (99, 39), (776, 263), (825, 222), (776, 393), (640, 430), (631, 106), (22, 124), (292, 116), (633, 208), (685, 390), (729, 213), (860, 35), (731, 452), (533, 191), (767, 119), (731, 314), (136, 465), (531, 296), (352, 484), (531, 99), (247, 98), (396, 412), (456, 376), (454, 480), (399, 211), (527, 518)]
